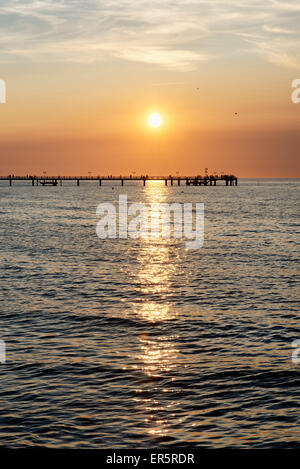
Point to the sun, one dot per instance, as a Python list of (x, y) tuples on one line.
[(155, 120)]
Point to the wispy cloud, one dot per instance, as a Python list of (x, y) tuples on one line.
[(175, 34)]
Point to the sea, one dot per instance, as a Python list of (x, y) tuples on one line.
[(142, 343)]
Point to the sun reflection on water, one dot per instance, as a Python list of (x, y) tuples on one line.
[(157, 356)]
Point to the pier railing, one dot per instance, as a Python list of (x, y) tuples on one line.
[(198, 180)]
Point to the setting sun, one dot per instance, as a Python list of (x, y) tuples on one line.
[(155, 120)]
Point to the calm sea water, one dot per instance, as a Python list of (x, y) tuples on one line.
[(140, 343)]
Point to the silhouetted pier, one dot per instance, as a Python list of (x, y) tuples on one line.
[(227, 179)]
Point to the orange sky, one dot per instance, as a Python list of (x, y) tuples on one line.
[(80, 103)]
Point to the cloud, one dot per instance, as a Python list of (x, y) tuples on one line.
[(272, 29), (177, 34)]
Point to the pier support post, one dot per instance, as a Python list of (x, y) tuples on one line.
[(236, 181), (171, 182), (61, 182), (77, 182), (178, 181), (100, 182), (144, 181), (215, 182), (10, 182), (166, 182), (187, 182), (226, 182), (32, 181), (122, 182)]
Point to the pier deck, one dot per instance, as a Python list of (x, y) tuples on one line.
[(228, 179)]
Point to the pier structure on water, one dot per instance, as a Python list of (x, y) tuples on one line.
[(226, 179)]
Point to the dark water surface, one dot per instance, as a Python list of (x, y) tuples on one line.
[(140, 343)]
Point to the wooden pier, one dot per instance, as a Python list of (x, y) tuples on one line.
[(226, 179)]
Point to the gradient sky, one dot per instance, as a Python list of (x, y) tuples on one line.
[(83, 76)]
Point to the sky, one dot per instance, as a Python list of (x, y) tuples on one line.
[(82, 77)]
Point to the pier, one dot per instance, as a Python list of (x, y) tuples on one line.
[(212, 180)]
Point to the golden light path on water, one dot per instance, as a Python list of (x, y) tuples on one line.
[(158, 352)]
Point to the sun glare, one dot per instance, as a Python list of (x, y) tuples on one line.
[(155, 120)]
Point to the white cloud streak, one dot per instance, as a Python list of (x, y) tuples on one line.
[(175, 34)]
